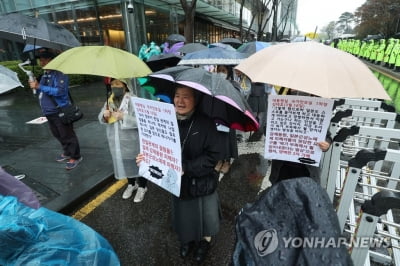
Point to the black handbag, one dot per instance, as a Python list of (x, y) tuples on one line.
[(203, 185), (70, 113)]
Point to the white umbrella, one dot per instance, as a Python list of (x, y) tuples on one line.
[(8, 80), (313, 68)]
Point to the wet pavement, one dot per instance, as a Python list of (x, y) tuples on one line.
[(31, 149), (140, 233)]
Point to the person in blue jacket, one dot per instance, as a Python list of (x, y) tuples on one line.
[(53, 93)]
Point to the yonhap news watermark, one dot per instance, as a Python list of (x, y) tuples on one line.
[(267, 241)]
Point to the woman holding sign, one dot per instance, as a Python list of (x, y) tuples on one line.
[(281, 170), (196, 212), (123, 138)]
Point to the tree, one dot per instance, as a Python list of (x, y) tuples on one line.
[(261, 15), (242, 2), (189, 8), (344, 22), (329, 30), (378, 17), (286, 17), (274, 34)]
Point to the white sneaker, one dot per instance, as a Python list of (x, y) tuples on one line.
[(140, 194), (129, 190)]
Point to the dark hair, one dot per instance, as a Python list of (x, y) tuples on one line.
[(46, 53), (229, 68)]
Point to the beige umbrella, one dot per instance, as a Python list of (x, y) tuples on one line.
[(313, 68)]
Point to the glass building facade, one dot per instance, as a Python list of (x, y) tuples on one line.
[(107, 22)]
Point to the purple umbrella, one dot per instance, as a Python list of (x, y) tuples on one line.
[(174, 48), (11, 186)]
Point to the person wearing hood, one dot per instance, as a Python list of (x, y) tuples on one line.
[(119, 118)]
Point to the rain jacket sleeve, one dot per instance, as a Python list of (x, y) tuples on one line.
[(100, 116), (56, 84), (129, 121)]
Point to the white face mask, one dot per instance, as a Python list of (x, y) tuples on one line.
[(224, 75)]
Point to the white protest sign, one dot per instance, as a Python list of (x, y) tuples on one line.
[(295, 124), (38, 121), (160, 143)]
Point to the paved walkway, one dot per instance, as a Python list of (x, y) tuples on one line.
[(31, 149)]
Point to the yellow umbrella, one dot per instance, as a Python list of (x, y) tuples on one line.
[(100, 61), (313, 68), (311, 35)]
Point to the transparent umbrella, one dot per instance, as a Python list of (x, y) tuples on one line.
[(8, 80), (213, 56)]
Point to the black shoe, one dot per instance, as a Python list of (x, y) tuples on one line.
[(186, 249), (201, 251)]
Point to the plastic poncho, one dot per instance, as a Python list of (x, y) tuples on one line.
[(123, 137), (43, 237)]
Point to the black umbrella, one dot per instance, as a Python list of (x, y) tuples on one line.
[(294, 209), (161, 61), (20, 28), (192, 47), (221, 100), (176, 38)]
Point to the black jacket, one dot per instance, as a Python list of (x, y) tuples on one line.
[(201, 148)]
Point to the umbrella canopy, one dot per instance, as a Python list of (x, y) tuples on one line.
[(161, 61), (312, 35), (100, 61), (222, 45), (21, 28), (301, 39), (30, 47), (220, 100), (313, 68), (232, 41), (8, 80), (253, 47), (176, 38), (192, 47), (213, 56)]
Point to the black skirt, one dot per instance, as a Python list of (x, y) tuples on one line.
[(193, 219)]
